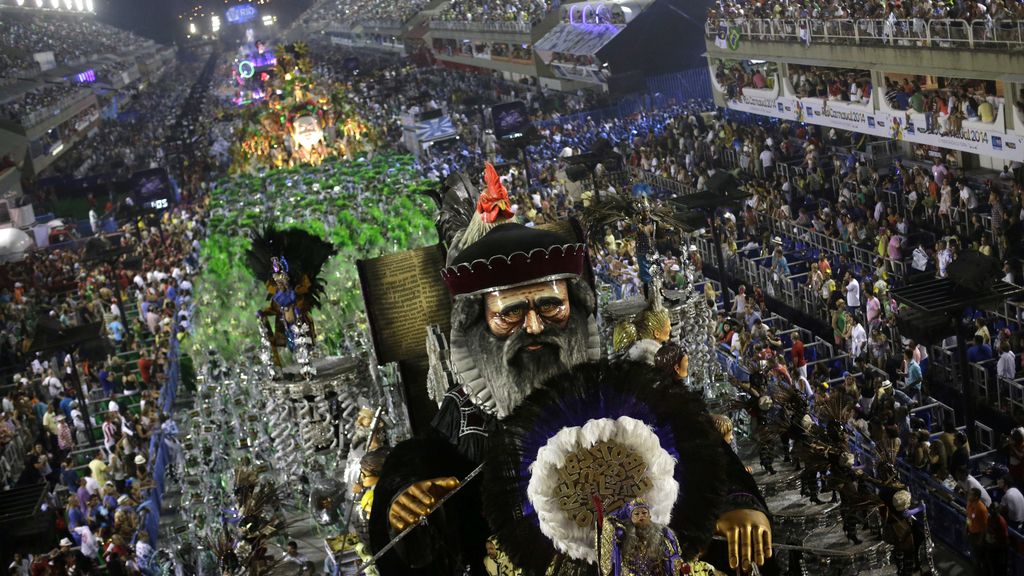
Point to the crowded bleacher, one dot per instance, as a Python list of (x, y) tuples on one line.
[(522, 11), (803, 263), (70, 37)]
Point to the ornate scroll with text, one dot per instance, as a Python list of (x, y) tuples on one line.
[(404, 294)]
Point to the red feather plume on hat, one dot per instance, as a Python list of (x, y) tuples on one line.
[(494, 202)]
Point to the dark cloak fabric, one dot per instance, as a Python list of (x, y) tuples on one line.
[(713, 479)]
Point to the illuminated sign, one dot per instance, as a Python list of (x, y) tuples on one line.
[(241, 13), (86, 77), (246, 69)]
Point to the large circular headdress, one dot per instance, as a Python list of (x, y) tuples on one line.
[(607, 432)]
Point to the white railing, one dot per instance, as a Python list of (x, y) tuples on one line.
[(938, 33), (517, 27), (36, 116), (381, 24)]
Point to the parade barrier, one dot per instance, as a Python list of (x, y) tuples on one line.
[(161, 453)]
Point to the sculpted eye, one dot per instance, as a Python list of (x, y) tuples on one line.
[(512, 315), (549, 308)]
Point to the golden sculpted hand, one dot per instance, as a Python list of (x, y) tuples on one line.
[(419, 500), (749, 534)]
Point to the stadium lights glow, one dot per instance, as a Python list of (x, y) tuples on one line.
[(79, 5), (89, 6), (39, 3), (21, 2), (55, 4), (68, 4), (192, 28), (215, 22)]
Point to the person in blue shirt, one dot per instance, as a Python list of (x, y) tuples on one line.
[(75, 518), (780, 265), (65, 404), (914, 378), (40, 408), (980, 352), (105, 382), (116, 330), (69, 476)]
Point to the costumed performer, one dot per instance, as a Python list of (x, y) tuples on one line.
[(523, 313)]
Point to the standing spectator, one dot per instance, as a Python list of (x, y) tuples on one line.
[(977, 529), (852, 294), (912, 386), (65, 441), (874, 312), (858, 338), (1006, 368), (997, 541), (797, 353), (98, 468), (52, 385)]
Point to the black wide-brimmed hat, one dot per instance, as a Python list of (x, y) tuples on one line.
[(513, 255)]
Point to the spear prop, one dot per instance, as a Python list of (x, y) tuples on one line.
[(423, 520)]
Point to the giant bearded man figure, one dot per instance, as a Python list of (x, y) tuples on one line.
[(533, 397)]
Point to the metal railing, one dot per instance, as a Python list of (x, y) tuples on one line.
[(660, 182), (941, 33), (486, 26)]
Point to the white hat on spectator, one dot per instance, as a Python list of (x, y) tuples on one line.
[(693, 247), (17, 285), (65, 543), (122, 499), (140, 460)]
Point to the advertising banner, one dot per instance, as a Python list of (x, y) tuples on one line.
[(45, 60), (988, 139)]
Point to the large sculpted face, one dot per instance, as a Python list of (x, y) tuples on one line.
[(524, 336), (307, 131), (530, 308)]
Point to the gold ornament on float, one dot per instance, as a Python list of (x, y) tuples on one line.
[(609, 470)]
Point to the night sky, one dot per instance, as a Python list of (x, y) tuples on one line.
[(158, 19)]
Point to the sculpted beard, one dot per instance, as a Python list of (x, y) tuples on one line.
[(641, 541), (512, 371)]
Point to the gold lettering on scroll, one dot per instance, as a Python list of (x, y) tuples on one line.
[(608, 470), (404, 294)]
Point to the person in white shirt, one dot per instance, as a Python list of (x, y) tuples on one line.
[(1012, 502), (20, 566), (967, 197), (767, 162), (52, 384), (942, 258), (90, 546), (858, 338), (739, 303), (852, 293), (966, 481), (919, 260), (1007, 366), (69, 364)]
